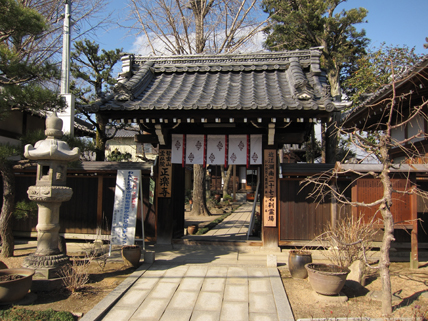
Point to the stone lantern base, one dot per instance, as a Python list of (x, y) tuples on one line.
[(46, 266)]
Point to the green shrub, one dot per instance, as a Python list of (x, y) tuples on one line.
[(14, 314), (212, 224), (227, 197)]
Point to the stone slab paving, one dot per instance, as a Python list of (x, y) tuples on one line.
[(207, 283), (192, 292), (235, 225)]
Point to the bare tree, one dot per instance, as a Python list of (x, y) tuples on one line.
[(396, 111), (30, 36), (179, 27), (86, 18)]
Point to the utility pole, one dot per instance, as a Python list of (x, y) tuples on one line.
[(68, 115)]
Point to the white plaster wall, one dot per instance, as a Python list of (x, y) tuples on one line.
[(414, 126), (398, 134), (125, 145)]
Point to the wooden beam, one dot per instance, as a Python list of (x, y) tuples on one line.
[(160, 135), (271, 137), (144, 139)]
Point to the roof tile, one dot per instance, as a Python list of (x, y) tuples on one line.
[(287, 80)]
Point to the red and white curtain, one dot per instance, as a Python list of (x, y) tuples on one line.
[(256, 150), (238, 150), (217, 149), (178, 146), (195, 149)]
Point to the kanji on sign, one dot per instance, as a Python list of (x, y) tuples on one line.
[(270, 189), (165, 171)]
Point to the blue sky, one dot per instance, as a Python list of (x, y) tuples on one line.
[(396, 22)]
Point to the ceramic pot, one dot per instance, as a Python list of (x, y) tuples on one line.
[(14, 290), (326, 279), (192, 229), (131, 255), (296, 263)]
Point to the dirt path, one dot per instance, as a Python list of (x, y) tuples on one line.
[(407, 284)]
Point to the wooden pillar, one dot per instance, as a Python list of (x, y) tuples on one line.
[(414, 255), (331, 138), (269, 199), (164, 222), (234, 183), (170, 192), (178, 193), (100, 204), (323, 142)]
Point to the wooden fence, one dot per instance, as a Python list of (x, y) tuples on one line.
[(89, 212), (302, 218)]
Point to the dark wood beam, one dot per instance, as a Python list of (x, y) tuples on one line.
[(143, 139)]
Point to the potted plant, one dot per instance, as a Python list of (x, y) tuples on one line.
[(217, 197), (326, 279), (192, 229), (297, 259), (14, 284), (131, 255)]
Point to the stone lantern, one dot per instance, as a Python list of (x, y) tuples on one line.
[(52, 156)]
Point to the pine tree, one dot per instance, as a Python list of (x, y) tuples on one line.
[(301, 24), (94, 68), (24, 84)]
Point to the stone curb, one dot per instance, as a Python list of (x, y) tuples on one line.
[(358, 319), (285, 313)]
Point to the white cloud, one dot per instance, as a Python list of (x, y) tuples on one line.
[(141, 46)]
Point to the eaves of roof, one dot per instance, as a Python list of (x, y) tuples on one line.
[(377, 168), (289, 80), (360, 111)]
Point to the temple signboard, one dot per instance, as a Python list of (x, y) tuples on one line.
[(165, 173), (269, 188)]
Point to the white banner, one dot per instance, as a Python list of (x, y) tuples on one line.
[(125, 207), (256, 150), (237, 150), (195, 147), (177, 146), (216, 147)]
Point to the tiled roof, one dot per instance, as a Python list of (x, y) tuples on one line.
[(262, 81), (124, 133), (385, 91)]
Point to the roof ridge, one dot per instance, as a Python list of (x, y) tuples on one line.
[(245, 56)]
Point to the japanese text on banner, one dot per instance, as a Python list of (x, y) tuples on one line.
[(125, 207), (269, 187)]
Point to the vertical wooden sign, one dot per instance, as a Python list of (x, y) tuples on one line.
[(165, 171), (269, 188)]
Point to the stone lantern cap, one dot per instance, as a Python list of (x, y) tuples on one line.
[(52, 148)]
